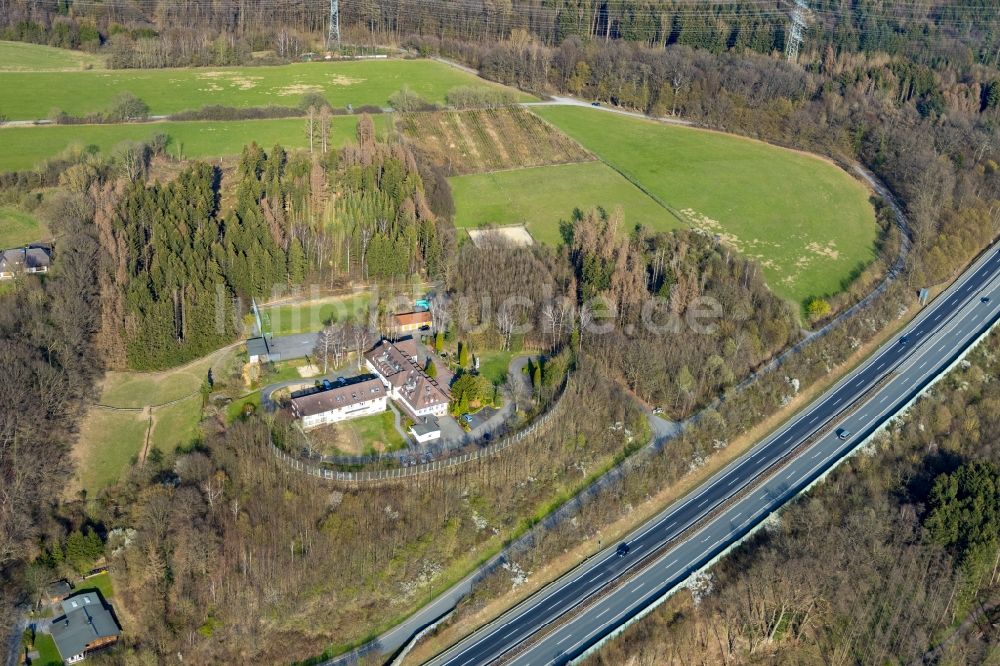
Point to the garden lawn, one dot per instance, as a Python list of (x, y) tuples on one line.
[(808, 223), (100, 582), (494, 364), (306, 317), (24, 57), (24, 147), (33, 95), (543, 196), (48, 653), (377, 432), (19, 228)]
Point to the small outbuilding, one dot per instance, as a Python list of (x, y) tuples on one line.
[(426, 430)]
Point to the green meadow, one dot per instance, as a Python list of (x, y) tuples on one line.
[(808, 223), (22, 57), (24, 147), (541, 197), (33, 95), (18, 228)]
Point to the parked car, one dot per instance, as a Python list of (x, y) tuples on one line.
[(622, 549), (467, 418), (595, 103), (657, 410)]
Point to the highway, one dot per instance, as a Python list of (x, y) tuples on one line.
[(560, 622)]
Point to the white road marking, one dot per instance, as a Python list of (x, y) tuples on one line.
[(566, 638), (603, 611), (813, 419), (922, 365), (672, 562), (816, 454), (704, 502), (638, 587)]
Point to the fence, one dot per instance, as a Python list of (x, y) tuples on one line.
[(398, 473)]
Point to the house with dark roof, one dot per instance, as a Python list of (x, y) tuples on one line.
[(425, 430), (86, 626), (24, 260), (407, 383), (339, 402)]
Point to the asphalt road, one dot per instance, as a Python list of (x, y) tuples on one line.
[(738, 498)]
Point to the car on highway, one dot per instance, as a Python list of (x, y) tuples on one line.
[(904, 340), (984, 299), (622, 549), (843, 433)]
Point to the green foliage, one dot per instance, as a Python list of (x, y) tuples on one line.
[(431, 368), (438, 342), (464, 355), (81, 550), (817, 308), (469, 392), (964, 516)]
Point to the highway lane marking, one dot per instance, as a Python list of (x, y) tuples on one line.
[(671, 525), (790, 474), (567, 637), (922, 365), (813, 419), (885, 397), (863, 417), (672, 562), (638, 587), (938, 316), (737, 515), (816, 454), (735, 479), (603, 612), (763, 495), (704, 502)]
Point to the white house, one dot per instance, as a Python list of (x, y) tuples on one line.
[(340, 403), (418, 394), (426, 430)]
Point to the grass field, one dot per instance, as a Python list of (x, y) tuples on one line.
[(480, 140), (48, 654), (307, 317), (18, 227), (108, 443), (22, 57), (109, 440), (32, 95), (493, 364), (807, 222), (23, 147), (100, 582), (543, 196)]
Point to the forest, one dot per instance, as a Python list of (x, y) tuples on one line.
[(178, 271), (882, 562), (226, 540)]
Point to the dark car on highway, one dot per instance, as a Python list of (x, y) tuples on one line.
[(622, 550)]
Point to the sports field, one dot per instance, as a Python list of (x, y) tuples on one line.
[(19, 228), (33, 95), (22, 57), (24, 147), (540, 197), (808, 223)]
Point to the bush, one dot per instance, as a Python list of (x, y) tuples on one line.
[(478, 97), (407, 101)]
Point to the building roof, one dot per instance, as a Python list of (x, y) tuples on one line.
[(426, 427), (33, 257), (257, 347), (420, 318), (85, 619), (403, 373), (338, 397), (407, 345)]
